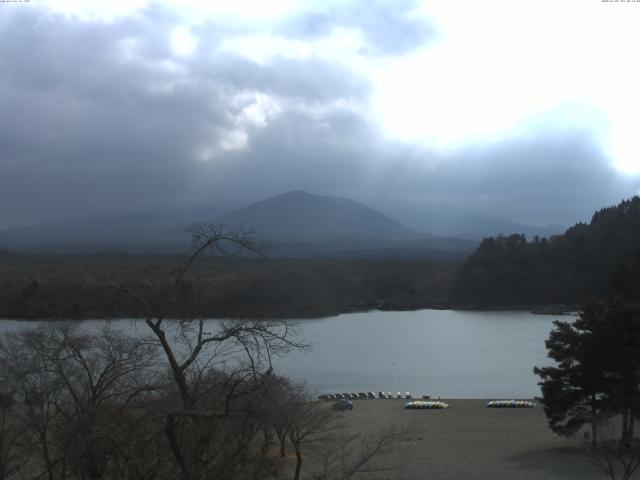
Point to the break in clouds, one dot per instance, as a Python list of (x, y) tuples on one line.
[(107, 117)]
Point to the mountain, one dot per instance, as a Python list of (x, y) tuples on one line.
[(300, 216), (564, 269), (474, 227), (301, 224), (294, 224), (477, 228)]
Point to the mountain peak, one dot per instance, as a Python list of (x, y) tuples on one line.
[(301, 216), (296, 193)]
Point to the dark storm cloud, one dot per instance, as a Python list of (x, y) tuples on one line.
[(388, 27), (544, 177), (105, 118), (102, 118), (332, 154)]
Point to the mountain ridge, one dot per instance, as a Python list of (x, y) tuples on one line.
[(296, 223), (299, 215)]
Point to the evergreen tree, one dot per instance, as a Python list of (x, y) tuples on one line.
[(572, 391), (564, 269), (625, 279), (597, 372)]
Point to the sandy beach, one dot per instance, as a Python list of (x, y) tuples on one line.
[(469, 441)]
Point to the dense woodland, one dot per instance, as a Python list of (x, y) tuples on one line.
[(565, 269), (78, 286)]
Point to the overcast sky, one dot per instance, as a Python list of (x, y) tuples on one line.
[(520, 109)]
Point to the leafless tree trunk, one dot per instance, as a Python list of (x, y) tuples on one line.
[(309, 421), (617, 458), (346, 455), (10, 437), (71, 390), (217, 375)]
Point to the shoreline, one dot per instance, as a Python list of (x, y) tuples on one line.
[(550, 310)]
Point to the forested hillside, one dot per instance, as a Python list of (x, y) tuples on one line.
[(564, 269), (77, 286)]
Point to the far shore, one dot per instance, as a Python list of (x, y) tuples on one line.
[(554, 310)]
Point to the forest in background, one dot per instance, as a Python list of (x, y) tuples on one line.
[(569, 269), (503, 272), (79, 286)]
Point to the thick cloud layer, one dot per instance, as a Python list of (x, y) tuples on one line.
[(107, 117), (388, 27)]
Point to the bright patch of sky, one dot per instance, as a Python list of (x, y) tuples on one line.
[(496, 68), (183, 42)]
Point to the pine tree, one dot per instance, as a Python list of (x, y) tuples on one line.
[(597, 372)]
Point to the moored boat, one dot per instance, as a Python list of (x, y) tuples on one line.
[(431, 405), (510, 404)]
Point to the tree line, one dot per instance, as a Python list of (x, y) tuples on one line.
[(595, 378), (570, 269), (75, 286)]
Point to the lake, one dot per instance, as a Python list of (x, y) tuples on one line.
[(446, 353), (443, 353)]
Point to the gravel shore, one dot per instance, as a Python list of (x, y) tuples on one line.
[(470, 441)]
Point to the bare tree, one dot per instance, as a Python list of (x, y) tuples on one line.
[(316, 432), (87, 405), (35, 391), (344, 456), (309, 421), (219, 376), (10, 458), (617, 458), (71, 390)]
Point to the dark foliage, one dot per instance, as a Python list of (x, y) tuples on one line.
[(564, 269), (597, 371), (75, 286)]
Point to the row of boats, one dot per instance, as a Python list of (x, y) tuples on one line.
[(510, 404), (492, 404), (419, 404), (427, 405), (367, 396)]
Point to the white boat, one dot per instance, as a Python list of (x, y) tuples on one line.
[(510, 404), (432, 405)]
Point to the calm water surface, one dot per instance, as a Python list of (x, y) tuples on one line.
[(447, 353)]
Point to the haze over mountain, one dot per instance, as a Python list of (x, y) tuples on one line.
[(155, 105), (302, 216), (151, 231), (478, 227), (294, 223)]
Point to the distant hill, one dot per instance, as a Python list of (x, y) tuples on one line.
[(300, 224), (565, 269), (478, 227), (295, 224), (301, 216)]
